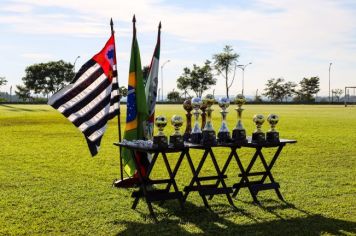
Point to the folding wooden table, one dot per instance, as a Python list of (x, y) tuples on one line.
[(145, 183), (260, 185)]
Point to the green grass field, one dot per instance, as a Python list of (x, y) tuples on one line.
[(49, 184)]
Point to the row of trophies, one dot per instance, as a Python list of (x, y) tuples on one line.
[(207, 136)]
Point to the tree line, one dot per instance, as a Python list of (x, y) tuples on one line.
[(198, 79), (47, 78)]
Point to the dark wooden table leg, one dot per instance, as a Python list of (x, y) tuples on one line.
[(268, 170), (195, 178), (220, 177), (171, 177), (245, 175), (226, 165), (143, 185)]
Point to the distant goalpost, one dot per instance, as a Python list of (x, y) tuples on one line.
[(350, 99)]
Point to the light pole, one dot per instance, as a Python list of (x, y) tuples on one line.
[(75, 61), (162, 77), (243, 67), (329, 79)]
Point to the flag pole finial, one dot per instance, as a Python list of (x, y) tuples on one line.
[(112, 26), (159, 25), (134, 19)]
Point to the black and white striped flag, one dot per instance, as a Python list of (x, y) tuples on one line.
[(92, 98)]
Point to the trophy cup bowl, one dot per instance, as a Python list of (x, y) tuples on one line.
[(196, 134), (160, 140), (209, 136), (258, 136), (272, 135), (240, 100), (239, 132), (176, 140), (187, 105), (224, 133)]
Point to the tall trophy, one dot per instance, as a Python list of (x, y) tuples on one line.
[(187, 105), (209, 136), (176, 140), (160, 140), (258, 136), (196, 134), (203, 115), (239, 132), (272, 135), (224, 133)]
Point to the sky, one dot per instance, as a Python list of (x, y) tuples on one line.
[(292, 39)]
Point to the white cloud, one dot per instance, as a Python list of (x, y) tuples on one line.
[(283, 38), (37, 56)]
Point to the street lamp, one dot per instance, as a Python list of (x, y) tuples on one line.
[(243, 67), (329, 79), (75, 61), (162, 77)]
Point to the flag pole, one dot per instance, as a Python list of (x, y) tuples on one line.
[(119, 114)]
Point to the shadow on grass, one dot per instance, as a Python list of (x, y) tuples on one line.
[(17, 109), (208, 222)]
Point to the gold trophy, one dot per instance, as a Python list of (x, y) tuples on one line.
[(176, 139), (209, 136), (258, 136), (196, 134), (187, 105), (224, 133), (160, 140), (203, 115), (239, 132), (272, 135)]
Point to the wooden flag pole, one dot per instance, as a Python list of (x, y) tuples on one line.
[(119, 114)]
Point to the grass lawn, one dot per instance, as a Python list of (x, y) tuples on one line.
[(49, 184)]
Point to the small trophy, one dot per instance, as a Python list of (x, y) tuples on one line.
[(239, 132), (187, 105), (176, 139), (209, 136), (258, 136), (224, 133), (272, 135), (160, 140), (196, 133)]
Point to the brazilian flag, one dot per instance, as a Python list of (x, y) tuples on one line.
[(137, 111)]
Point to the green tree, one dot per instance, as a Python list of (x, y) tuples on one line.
[(183, 82), (174, 96), (289, 89), (308, 88), (337, 93), (48, 77), (3, 81), (198, 79), (224, 64), (277, 90), (23, 92)]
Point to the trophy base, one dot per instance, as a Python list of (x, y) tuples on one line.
[(176, 141), (209, 138), (258, 138), (224, 137), (272, 137), (186, 137), (195, 138), (239, 136), (160, 141)]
